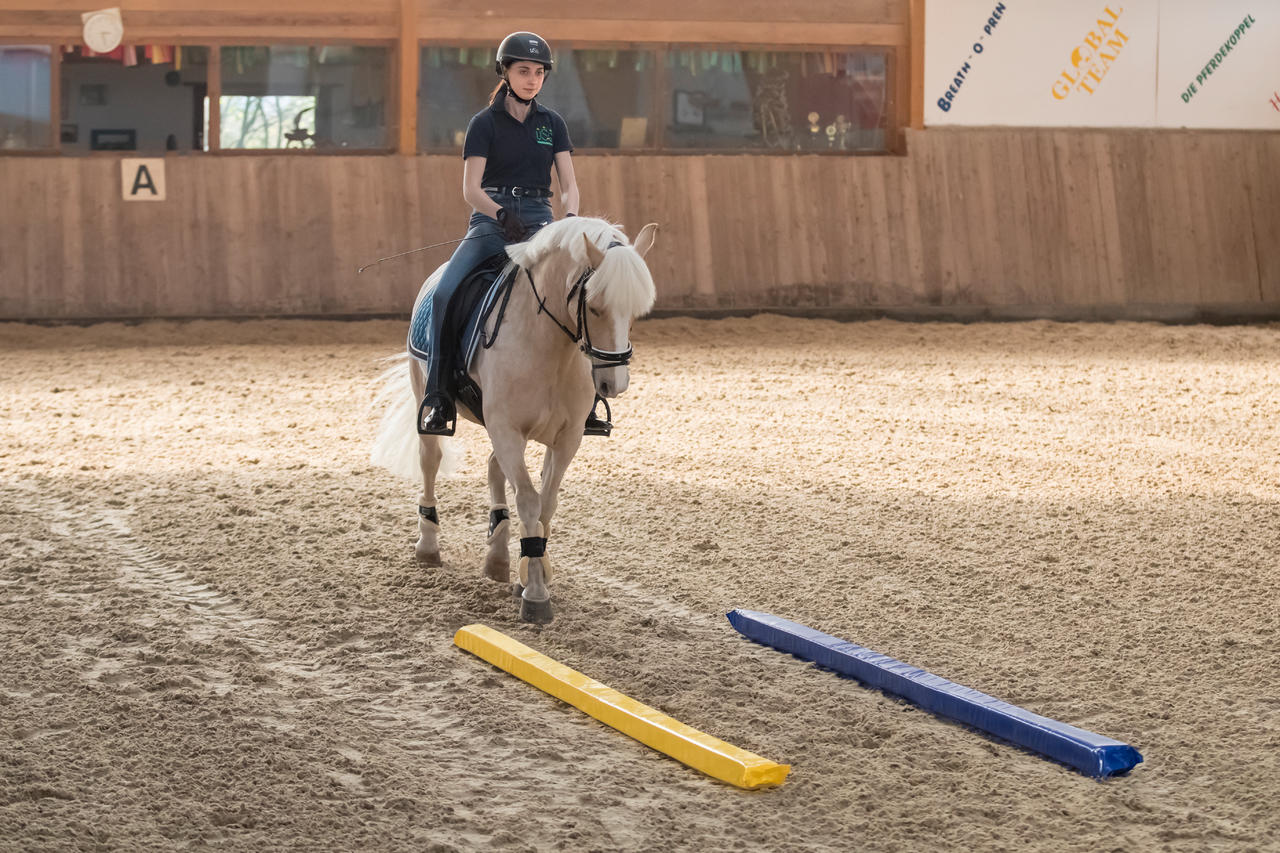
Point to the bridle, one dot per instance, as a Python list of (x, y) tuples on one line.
[(600, 358)]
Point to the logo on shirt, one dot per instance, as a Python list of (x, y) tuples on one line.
[(543, 135)]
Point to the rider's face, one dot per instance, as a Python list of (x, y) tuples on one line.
[(525, 78)]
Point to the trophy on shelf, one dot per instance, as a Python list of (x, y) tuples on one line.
[(843, 126), (814, 129)]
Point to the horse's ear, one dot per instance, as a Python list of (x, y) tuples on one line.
[(644, 240), (594, 256)]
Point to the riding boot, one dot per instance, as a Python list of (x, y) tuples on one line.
[(442, 418)]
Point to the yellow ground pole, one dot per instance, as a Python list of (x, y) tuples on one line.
[(700, 751)]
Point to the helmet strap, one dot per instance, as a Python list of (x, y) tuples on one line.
[(512, 93)]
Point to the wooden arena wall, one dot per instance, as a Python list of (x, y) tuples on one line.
[(1003, 222), (998, 222)]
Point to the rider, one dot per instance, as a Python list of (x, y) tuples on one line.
[(508, 155)]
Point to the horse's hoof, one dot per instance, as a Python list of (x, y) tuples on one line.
[(431, 560), (538, 612)]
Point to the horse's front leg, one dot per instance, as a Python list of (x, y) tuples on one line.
[(554, 467), (508, 449), (497, 561)]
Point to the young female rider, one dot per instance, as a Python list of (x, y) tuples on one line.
[(508, 155)]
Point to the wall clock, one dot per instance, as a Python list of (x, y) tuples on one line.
[(103, 30)]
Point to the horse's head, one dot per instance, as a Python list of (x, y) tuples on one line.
[(607, 286), (620, 290)]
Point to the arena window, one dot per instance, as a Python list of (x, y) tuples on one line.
[(606, 96), (147, 98), (811, 101), (331, 97), (25, 99), (454, 84), (337, 98)]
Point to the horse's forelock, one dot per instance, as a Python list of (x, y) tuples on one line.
[(623, 283)]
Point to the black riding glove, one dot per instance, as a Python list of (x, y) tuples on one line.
[(513, 230)]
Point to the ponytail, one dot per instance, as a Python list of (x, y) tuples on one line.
[(500, 91)]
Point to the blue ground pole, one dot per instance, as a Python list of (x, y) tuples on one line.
[(1091, 754)]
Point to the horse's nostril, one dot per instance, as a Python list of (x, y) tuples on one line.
[(605, 389)]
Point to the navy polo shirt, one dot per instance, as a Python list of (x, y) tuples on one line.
[(517, 154)]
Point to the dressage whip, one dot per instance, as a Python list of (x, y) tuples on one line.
[(411, 251)]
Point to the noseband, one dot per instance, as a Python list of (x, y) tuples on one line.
[(600, 358)]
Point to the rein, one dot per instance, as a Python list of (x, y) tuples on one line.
[(600, 358)]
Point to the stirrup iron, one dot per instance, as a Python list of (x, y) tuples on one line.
[(596, 426), (450, 425)]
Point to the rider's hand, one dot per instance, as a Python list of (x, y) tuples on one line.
[(513, 230)]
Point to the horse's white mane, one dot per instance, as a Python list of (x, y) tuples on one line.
[(622, 284)]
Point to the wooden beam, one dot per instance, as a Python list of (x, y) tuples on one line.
[(383, 20), (899, 71), (627, 13), (279, 9), (214, 93), (55, 98), (208, 34), (407, 90), (917, 64), (677, 32)]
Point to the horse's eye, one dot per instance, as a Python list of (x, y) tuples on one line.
[(594, 312)]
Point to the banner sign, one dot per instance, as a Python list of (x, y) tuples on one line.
[(1220, 64), (1103, 63)]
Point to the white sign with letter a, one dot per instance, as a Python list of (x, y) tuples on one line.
[(142, 179)]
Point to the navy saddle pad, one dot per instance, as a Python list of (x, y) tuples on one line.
[(461, 334)]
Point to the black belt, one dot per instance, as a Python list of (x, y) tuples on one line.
[(520, 192)]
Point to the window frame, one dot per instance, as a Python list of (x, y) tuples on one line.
[(55, 98), (215, 95), (896, 120), (658, 50)]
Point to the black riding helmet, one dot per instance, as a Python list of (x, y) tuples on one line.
[(527, 47)]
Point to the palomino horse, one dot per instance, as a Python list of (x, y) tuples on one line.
[(538, 379)]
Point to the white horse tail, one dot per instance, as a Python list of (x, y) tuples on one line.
[(397, 442)]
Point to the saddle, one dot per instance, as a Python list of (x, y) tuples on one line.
[(486, 289)]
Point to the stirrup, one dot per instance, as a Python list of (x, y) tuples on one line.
[(450, 423), (596, 426)]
